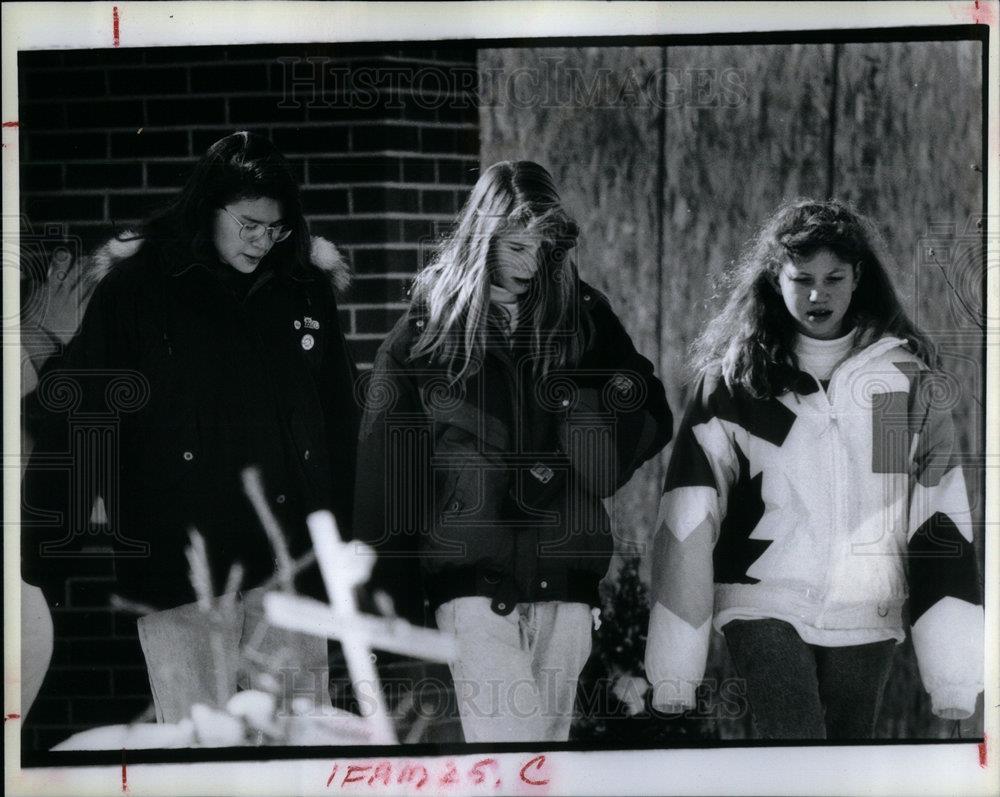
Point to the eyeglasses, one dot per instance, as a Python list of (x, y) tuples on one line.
[(254, 232)]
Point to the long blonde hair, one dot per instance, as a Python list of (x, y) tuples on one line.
[(453, 290)]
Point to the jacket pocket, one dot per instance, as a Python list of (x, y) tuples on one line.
[(470, 518)]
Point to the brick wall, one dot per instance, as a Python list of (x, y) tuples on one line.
[(385, 142)]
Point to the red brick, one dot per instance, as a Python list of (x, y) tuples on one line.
[(186, 111), (66, 146), (366, 138), (310, 139), (149, 143), (359, 230), (146, 82), (439, 202), (262, 110), (418, 170), (341, 109), (103, 57), (462, 172), (109, 113), (374, 168), (169, 175), (424, 231), (45, 115), (379, 321), (380, 261), (379, 290), (419, 113), (58, 83), (65, 207), (346, 317), (459, 110), (393, 200), (183, 55), (125, 207), (104, 175), (324, 201), (450, 140), (217, 79), (39, 178)]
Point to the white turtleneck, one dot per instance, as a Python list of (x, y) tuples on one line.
[(820, 357), (507, 301)]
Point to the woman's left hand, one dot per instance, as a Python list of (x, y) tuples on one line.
[(65, 294)]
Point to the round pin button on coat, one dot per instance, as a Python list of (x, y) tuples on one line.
[(308, 341)]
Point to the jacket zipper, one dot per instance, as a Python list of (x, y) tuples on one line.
[(837, 477), (836, 500), (521, 562), (835, 508)]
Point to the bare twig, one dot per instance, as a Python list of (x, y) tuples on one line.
[(233, 583), (120, 604), (973, 315), (255, 492), (201, 575), (298, 565)]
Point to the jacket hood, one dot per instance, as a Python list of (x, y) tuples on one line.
[(323, 254)]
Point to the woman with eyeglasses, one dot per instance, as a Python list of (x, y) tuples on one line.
[(212, 344)]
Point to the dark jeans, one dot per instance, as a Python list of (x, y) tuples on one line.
[(800, 691)]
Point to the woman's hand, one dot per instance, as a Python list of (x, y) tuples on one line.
[(57, 310), (64, 296)]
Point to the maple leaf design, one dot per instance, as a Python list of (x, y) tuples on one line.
[(736, 551)]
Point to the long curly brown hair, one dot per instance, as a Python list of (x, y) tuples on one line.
[(752, 341)]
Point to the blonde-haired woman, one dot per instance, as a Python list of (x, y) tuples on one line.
[(504, 405)]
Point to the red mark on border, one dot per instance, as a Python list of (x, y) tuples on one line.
[(15, 123), (11, 717), (982, 14), (124, 773), (116, 26), (982, 752), (537, 762), (333, 774)]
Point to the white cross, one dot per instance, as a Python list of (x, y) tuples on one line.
[(344, 566)]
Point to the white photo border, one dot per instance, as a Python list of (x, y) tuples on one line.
[(898, 768)]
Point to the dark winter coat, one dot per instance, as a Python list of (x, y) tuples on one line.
[(182, 375), (493, 488)]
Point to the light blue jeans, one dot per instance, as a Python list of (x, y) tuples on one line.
[(196, 657), (516, 675)]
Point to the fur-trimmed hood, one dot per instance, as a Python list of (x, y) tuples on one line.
[(323, 254)]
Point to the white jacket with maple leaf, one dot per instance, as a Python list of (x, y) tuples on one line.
[(826, 509)]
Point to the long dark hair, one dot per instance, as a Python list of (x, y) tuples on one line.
[(454, 288), (752, 341), (239, 166)]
